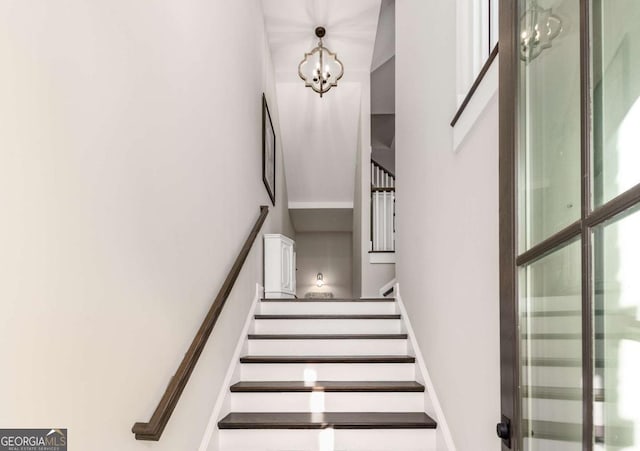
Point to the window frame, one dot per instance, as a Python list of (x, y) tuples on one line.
[(476, 50)]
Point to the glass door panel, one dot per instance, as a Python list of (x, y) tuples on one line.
[(616, 82), (617, 332), (551, 351), (549, 118), (600, 253)]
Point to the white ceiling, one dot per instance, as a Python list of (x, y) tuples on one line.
[(319, 140), (320, 135), (351, 31)]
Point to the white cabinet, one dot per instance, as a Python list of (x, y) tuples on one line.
[(279, 266)]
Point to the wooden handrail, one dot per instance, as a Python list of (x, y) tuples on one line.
[(475, 85), (153, 429)]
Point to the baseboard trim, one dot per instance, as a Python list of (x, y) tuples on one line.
[(430, 394), (210, 432)]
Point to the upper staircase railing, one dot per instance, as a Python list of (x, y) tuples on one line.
[(383, 209), (153, 429)]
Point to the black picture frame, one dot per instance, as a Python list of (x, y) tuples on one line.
[(268, 152)]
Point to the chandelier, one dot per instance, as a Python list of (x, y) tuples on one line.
[(320, 69), (538, 28)]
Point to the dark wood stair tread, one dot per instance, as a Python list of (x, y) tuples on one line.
[(558, 362), (327, 316), (567, 336), (551, 430), (330, 300), (552, 336), (558, 313), (326, 386), (328, 336), (336, 420), (328, 359), (620, 437), (559, 393)]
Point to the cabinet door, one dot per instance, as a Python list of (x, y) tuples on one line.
[(294, 270), (287, 267)]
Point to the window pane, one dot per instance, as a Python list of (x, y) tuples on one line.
[(549, 124), (617, 329), (616, 80), (551, 351), (494, 23)]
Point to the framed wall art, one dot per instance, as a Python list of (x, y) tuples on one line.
[(268, 152)]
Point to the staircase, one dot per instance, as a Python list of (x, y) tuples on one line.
[(327, 375), (552, 378)]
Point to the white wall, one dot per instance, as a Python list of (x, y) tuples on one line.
[(447, 225), (372, 276), (130, 175), (357, 217), (385, 45), (330, 253)]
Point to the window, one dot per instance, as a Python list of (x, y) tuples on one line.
[(477, 32)]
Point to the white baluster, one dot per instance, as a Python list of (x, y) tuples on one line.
[(373, 169), (392, 219), (376, 222), (378, 217), (384, 221), (374, 197), (391, 211)]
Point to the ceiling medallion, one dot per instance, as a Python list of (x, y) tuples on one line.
[(320, 69)]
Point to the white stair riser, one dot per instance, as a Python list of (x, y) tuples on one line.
[(327, 308), (559, 410), (555, 303), (328, 347), (551, 445), (555, 325), (570, 349), (546, 376), (327, 372), (324, 326), (327, 402), (328, 440)]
